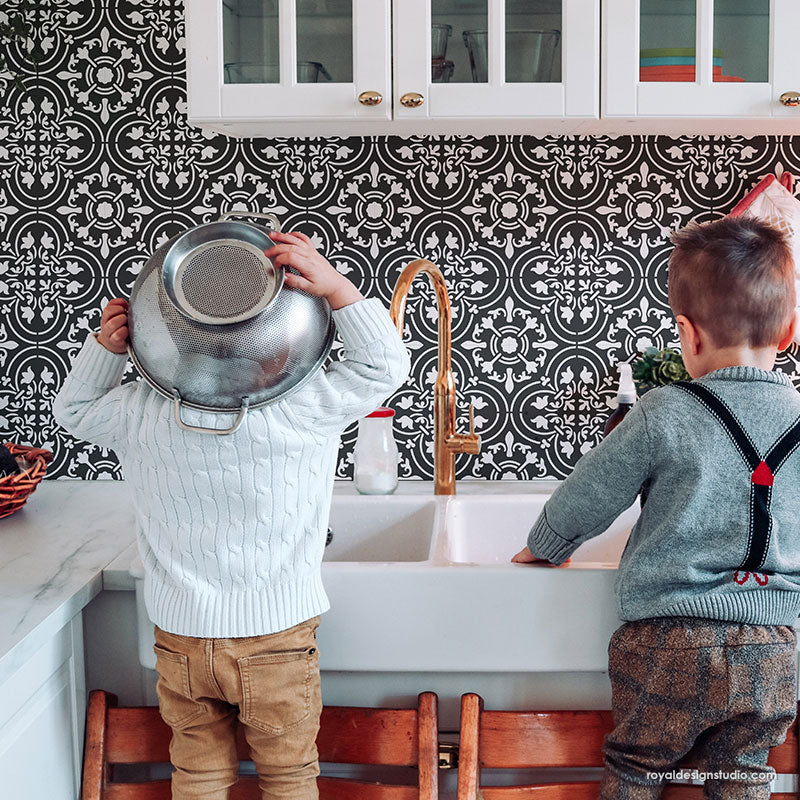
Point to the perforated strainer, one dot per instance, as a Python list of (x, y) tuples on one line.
[(213, 327)]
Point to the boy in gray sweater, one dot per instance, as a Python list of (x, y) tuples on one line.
[(709, 582)]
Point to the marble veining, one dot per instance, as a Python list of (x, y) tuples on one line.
[(52, 553)]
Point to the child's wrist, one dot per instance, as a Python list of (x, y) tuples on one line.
[(344, 295), (106, 345)]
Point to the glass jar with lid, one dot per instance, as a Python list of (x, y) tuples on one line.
[(376, 454)]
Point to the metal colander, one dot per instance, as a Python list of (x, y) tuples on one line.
[(218, 302), (213, 327)]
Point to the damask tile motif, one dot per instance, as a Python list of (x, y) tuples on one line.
[(18, 153), (374, 207), (106, 66), (154, 28), (370, 224), (217, 175), (738, 163), (18, 387), (632, 193), (18, 265), (521, 383), (506, 216)]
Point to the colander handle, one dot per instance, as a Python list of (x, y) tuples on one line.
[(200, 429), (276, 226)]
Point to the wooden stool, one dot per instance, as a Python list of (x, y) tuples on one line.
[(396, 737), (530, 739)]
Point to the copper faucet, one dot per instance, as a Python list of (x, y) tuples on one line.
[(446, 441)]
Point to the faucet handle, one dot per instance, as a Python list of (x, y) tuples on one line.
[(466, 442)]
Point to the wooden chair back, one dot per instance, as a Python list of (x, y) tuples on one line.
[(392, 737), (548, 739)]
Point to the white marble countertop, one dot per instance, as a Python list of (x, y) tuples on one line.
[(73, 538), (52, 553)]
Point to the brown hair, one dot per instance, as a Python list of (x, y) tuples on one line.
[(735, 279)]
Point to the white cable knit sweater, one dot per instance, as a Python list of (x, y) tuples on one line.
[(231, 529)]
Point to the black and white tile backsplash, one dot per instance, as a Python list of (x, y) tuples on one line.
[(555, 250)]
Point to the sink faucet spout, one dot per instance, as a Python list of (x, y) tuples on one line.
[(447, 442)]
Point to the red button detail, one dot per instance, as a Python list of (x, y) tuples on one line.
[(762, 475)]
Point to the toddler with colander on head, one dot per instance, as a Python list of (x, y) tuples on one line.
[(231, 531), (709, 583)]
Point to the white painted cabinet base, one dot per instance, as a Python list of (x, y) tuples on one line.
[(42, 718)]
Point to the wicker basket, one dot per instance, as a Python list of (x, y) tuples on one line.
[(14, 489)]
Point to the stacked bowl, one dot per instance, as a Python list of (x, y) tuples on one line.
[(678, 64)]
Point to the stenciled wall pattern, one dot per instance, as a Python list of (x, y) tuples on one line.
[(555, 249)]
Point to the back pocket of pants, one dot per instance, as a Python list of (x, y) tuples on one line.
[(174, 693), (276, 689)]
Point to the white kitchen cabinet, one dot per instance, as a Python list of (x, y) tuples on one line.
[(361, 67), (744, 54), (288, 60), (511, 60), (369, 67), (42, 719)]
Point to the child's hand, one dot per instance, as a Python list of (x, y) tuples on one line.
[(526, 557), (317, 276), (114, 326)]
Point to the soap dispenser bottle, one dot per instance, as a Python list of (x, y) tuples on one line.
[(626, 397)]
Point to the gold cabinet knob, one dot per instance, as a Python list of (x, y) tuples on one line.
[(412, 100), (790, 98), (370, 98)]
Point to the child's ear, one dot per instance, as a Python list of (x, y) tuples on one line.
[(690, 335), (788, 337)]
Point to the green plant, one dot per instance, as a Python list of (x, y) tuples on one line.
[(16, 27), (658, 368)]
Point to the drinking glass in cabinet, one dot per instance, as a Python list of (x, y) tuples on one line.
[(253, 72), (325, 36), (533, 41), (531, 34), (449, 19), (441, 70), (250, 41), (530, 55), (440, 34)]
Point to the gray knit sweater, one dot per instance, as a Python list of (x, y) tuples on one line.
[(714, 538), (231, 529)]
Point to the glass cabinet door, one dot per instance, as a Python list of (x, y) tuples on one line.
[(740, 45), (251, 41), (702, 58), (518, 58), (289, 59)]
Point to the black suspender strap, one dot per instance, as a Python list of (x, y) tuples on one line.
[(726, 418), (762, 470), (783, 448)]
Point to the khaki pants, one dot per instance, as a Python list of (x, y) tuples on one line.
[(270, 682)]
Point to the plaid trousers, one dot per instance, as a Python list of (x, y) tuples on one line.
[(726, 689)]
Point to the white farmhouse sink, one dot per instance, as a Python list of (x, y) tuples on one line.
[(368, 529), (490, 530), (419, 583)]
